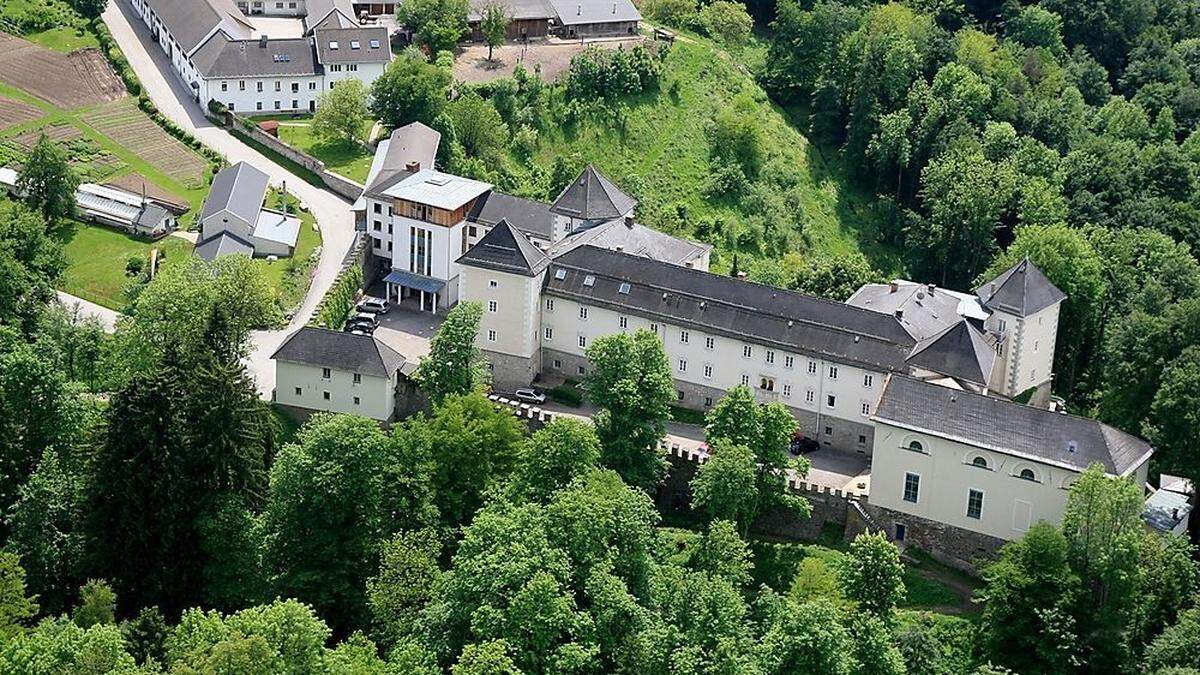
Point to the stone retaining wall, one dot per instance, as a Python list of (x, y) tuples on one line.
[(342, 186)]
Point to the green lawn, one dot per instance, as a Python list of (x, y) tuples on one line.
[(96, 258), (63, 39), (661, 154), (341, 157), (290, 277), (65, 29)]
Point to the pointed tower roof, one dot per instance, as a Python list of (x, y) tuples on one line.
[(591, 196), (1021, 289), (960, 351), (505, 249)]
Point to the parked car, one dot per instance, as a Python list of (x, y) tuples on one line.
[(359, 327), (530, 396), (802, 444), (372, 305), (365, 317)]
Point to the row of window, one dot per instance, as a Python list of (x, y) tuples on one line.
[(327, 374), (258, 105), (325, 396), (912, 492), (312, 86), (977, 461)]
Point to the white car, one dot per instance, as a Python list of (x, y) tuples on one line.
[(373, 305), (530, 396)]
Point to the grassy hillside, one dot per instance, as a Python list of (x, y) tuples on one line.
[(661, 155)]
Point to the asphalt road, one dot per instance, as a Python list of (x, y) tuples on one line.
[(174, 101)]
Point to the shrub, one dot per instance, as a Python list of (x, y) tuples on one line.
[(567, 393), (339, 301), (603, 73)]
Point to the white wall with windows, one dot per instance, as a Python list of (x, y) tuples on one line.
[(329, 390), (264, 95)]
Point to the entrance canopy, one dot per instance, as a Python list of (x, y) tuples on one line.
[(417, 282)]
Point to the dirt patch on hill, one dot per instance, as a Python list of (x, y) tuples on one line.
[(553, 56), (72, 80), (15, 112)]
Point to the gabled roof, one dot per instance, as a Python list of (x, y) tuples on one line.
[(339, 350), (925, 310), (239, 189), (505, 249), (353, 45), (190, 21), (529, 216), (411, 143), (591, 196), (575, 12), (1021, 290), (220, 244), (317, 11), (515, 10), (995, 423), (636, 239), (220, 56), (960, 351), (728, 306)]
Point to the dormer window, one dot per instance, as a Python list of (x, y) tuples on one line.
[(354, 44), (980, 462), (333, 44), (589, 281)]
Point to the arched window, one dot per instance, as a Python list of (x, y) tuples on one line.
[(916, 446), (980, 462), (1027, 474)]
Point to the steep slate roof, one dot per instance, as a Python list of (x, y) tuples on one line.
[(636, 239), (729, 306), (222, 57), (505, 249), (925, 310), (960, 351), (316, 11), (339, 350), (575, 12), (345, 39), (998, 424), (239, 189), (591, 196), (222, 243), (189, 21), (413, 142), (516, 10), (1021, 289), (528, 216)]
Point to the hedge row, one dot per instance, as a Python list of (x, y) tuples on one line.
[(339, 301)]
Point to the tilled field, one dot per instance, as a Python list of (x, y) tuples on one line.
[(129, 127), (66, 80)]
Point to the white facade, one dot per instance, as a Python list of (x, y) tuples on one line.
[(511, 312), (1028, 350), (331, 390), (250, 95), (976, 489)]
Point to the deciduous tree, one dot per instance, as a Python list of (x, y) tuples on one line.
[(47, 182), (437, 24), (873, 575), (341, 112), (494, 25), (410, 90), (454, 364)]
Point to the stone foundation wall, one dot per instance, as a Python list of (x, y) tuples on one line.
[(512, 372), (951, 545), (556, 364)]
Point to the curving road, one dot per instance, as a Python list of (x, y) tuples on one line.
[(174, 101)]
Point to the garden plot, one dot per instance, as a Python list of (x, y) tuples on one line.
[(66, 80), (92, 162), (131, 129), (15, 112)]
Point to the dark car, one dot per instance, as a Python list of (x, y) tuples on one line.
[(802, 444)]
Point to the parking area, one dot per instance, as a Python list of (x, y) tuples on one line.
[(407, 331), (849, 472)]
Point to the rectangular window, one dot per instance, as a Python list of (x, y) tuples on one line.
[(708, 401), (833, 371), (868, 380), (299, 391), (747, 351), (278, 86), (241, 85), (683, 336), (623, 321), (549, 333), (787, 390), (828, 431), (866, 408), (492, 283), (812, 367), (707, 371), (683, 365), (830, 400), (357, 400), (654, 328), (709, 342), (312, 86), (558, 364), (326, 373), (277, 106), (258, 86), (789, 361), (809, 396), (581, 370), (378, 207), (745, 380), (258, 105), (862, 439), (912, 487), (224, 86), (491, 336), (550, 304), (582, 341), (357, 378), (583, 312), (974, 504), (295, 87), (770, 356), (325, 395), (492, 306)]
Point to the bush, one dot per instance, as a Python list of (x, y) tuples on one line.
[(607, 73), (567, 393), (339, 301)]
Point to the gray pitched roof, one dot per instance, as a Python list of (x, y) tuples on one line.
[(591, 196), (1012, 428), (239, 189), (346, 38), (528, 216), (1021, 289), (411, 143), (575, 12), (317, 11), (151, 215), (924, 311), (221, 244), (515, 9), (634, 238), (189, 21), (505, 249), (339, 350), (222, 57), (960, 351), (728, 306)]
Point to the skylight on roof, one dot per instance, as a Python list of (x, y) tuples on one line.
[(589, 280), (354, 44), (374, 44), (560, 274), (438, 181), (624, 289), (333, 44)]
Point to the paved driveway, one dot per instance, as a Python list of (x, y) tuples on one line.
[(174, 101), (89, 310)]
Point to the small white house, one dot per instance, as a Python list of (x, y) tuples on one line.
[(323, 370), (234, 220)]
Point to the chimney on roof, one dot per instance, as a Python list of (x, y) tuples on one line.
[(614, 8), (932, 288), (899, 314), (413, 167), (629, 221), (619, 248), (893, 287)]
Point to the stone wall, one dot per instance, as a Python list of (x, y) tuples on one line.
[(339, 184), (511, 372)]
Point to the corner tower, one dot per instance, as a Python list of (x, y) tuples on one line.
[(1024, 307)]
